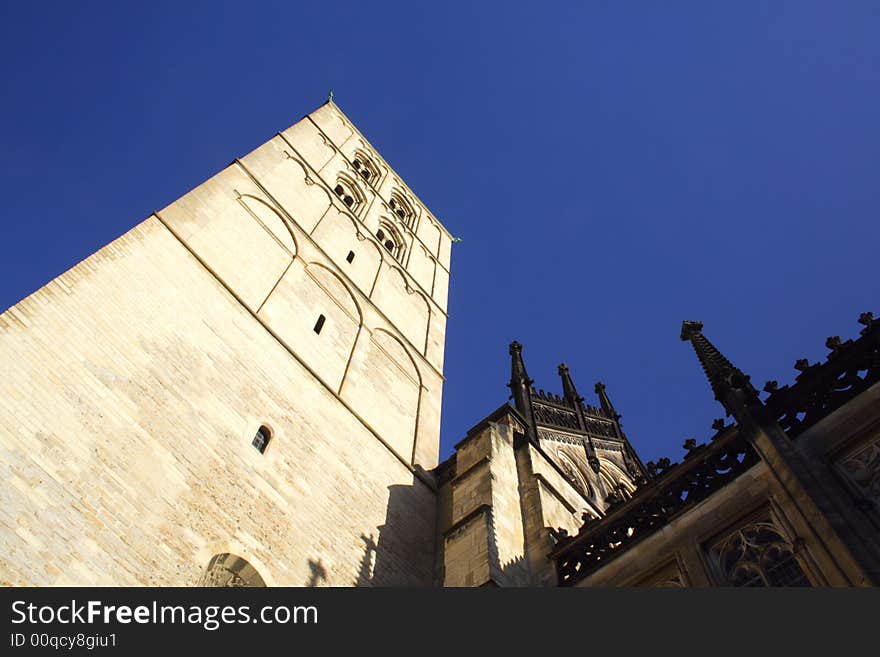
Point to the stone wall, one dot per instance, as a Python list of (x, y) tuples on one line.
[(134, 383)]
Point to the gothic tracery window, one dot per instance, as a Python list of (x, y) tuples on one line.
[(758, 555), (860, 467)]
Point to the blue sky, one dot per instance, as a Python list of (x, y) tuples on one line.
[(611, 167)]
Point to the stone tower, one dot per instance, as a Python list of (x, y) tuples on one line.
[(242, 389), (544, 463)]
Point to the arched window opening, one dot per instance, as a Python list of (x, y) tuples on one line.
[(350, 257), (348, 193), (230, 570), (319, 324), (758, 555), (391, 240), (402, 208), (261, 439), (365, 167)]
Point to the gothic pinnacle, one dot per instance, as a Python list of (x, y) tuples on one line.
[(723, 376)]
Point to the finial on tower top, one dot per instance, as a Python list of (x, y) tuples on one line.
[(330, 96), (689, 328), (515, 348), (562, 368)]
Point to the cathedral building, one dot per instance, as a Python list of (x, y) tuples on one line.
[(245, 390)]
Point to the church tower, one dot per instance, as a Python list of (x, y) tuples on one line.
[(243, 389), (543, 463)]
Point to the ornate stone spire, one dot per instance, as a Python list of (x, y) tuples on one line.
[(573, 398), (605, 402), (634, 464), (568, 389), (729, 383), (521, 389)]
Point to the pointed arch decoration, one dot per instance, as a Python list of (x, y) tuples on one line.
[(575, 476), (271, 220), (350, 193)]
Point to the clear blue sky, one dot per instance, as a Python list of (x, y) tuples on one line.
[(612, 167)]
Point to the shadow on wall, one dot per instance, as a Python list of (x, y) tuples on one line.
[(515, 572), (402, 552), (317, 573)]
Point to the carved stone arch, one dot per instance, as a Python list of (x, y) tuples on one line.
[(608, 484), (227, 569), (230, 570), (346, 188), (430, 234), (337, 288), (304, 171), (365, 164), (403, 206), (391, 238), (293, 159), (397, 351), (232, 546), (615, 475), (575, 476), (272, 220), (394, 296), (425, 300), (291, 185), (399, 271), (384, 386), (412, 290), (372, 240)]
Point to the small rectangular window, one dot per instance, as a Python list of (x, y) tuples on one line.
[(319, 324), (350, 256)]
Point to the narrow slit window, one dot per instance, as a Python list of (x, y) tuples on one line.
[(350, 257), (319, 324), (261, 439)]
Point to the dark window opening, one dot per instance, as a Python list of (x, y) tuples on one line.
[(261, 439), (338, 189), (349, 201), (319, 324), (363, 168), (380, 235), (389, 245), (400, 213), (350, 256)]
